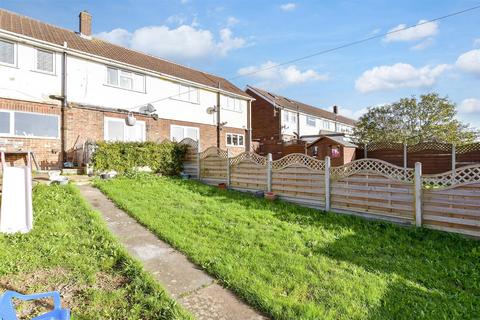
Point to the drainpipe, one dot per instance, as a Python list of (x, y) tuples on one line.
[(64, 106), (298, 122), (218, 116), (249, 125)]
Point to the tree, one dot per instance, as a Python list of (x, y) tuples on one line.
[(410, 120)]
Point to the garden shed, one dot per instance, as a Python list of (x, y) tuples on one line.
[(336, 147)]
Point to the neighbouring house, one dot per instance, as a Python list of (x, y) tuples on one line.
[(60, 88), (281, 125)]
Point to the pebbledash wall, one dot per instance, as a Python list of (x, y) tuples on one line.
[(370, 188)]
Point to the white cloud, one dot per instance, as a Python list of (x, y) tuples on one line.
[(399, 75), (352, 114), (178, 19), (283, 76), (184, 43), (469, 61), (416, 33), (118, 36), (423, 45), (470, 105), (288, 6), (231, 21)]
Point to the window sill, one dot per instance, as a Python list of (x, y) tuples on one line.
[(226, 109), (230, 145), (2, 135), (44, 72), (14, 66), (197, 103), (117, 87)]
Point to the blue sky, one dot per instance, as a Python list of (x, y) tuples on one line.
[(231, 38)]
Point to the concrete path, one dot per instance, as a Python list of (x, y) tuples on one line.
[(188, 284)]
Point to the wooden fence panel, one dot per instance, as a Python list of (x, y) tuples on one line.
[(213, 165), (373, 187), (299, 178), (373, 194), (190, 161), (248, 171), (451, 201)]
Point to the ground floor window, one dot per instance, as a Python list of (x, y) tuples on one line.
[(235, 140), (178, 133), (116, 129), (29, 124)]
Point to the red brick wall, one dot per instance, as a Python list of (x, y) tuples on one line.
[(47, 152), (265, 123), (83, 124)]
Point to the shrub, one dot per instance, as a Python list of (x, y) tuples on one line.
[(165, 158)]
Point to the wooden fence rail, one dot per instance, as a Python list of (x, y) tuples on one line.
[(367, 187)]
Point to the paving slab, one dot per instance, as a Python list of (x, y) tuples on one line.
[(192, 287)]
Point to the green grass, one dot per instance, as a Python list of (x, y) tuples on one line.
[(299, 263), (71, 250)]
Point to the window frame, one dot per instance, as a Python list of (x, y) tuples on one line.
[(54, 67), (237, 104), (179, 95), (12, 125), (118, 85), (122, 120), (238, 136), (184, 128), (15, 52), (307, 118)]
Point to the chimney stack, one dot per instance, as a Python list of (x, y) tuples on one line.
[(85, 20), (335, 109)]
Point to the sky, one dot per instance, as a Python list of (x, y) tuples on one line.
[(232, 39)]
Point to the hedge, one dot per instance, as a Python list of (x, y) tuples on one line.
[(124, 157)]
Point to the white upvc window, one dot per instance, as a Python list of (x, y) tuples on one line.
[(188, 94), (232, 104), (8, 53), (29, 124), (125, 79), (116, 129), (235, 140), (289, 116), (311, 121), (327, 125), (178, 133), (45, 61)]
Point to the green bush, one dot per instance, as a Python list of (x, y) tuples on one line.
[(123, 157)]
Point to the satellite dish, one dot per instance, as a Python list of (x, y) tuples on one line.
[(130, 120), (211, 110), (148, 108)]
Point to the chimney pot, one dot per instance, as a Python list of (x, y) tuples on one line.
[(335, 109), (85, 20)]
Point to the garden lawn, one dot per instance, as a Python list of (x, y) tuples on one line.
[(71, 250), (298, 263)]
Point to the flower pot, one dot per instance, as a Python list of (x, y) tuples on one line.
[(270, 196), (222, 186)]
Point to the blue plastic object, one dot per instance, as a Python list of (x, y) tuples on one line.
[(7, 310)]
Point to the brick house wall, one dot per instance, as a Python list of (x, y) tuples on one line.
[(85, 123), (265, 122)]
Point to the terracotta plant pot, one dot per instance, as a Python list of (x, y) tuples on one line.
[(270, 196), (222, 186)]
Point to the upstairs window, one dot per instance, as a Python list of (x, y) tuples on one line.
[(326, 125), (289, 116), (45, 61), (311, 121), (232, 104), (7, 52), (125, 79), (188, 94)]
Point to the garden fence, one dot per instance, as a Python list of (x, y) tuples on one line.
[(371, 188)]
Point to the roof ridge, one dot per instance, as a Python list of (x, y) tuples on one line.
[(206, 74)]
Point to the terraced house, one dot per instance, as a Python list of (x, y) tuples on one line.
[(60, 88)]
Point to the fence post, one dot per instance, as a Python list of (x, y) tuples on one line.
[(269, 172), (198, 166), (228, 168), (454, 158), (418, 194), (327, 183), (365, 152)]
